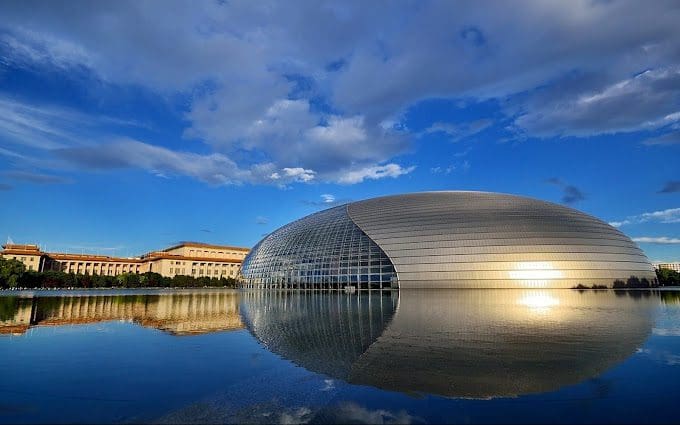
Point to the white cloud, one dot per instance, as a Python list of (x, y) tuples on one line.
[(448, 169), (216, 169), (350, 412), (53, 138), (237, 64), (301, 415), (443, 170), (289, 132), (666, 331), (339, 131), (11, 154), (462, 153), (299, 174), (657, 240), (25, 125), (661, 356), (35, 177), (671, 215), (327, 200), (329, 385), (374, 173), (31, 47), (461, 131), (667, 139), (646, 101)]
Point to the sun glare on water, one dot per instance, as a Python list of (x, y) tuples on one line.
[(539, 302)]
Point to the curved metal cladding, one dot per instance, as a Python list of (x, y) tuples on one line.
[(489, 240), (322, 250)]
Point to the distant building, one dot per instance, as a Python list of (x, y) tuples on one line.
[(31, 255), (671, 266), (186, 258)]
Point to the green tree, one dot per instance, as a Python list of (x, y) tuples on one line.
[(53, 279), (86, 281), (151, 280), (31, 279), (11, 272), (128, 280), (668, 277)]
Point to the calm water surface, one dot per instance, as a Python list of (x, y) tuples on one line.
[(410, 357)]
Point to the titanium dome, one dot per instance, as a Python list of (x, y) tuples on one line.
[(444, 240)]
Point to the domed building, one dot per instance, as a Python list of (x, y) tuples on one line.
[(444, 240)]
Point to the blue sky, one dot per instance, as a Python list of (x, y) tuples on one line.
[(127, 126)]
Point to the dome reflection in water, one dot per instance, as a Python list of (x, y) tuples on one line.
[(323, 332), (454, 343)]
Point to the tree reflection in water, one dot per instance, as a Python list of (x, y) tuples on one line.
[(178, 313)]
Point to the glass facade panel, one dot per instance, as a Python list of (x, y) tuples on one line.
[(325, 250)]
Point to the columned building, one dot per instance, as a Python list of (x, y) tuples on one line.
[(31, 255), (187, 258), (670, 266)]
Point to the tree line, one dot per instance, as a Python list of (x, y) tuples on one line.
[(668, 277), (13, 274)]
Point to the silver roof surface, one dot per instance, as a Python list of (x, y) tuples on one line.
[(481, 239)]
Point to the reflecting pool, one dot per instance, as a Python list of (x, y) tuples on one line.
[(431, 356)]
